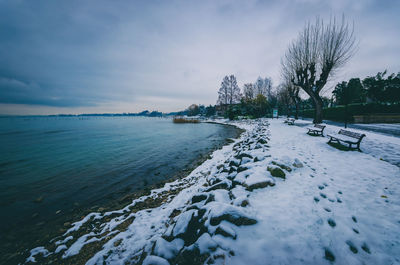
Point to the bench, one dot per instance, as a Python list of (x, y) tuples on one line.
[(289, 121), (351, 138), (318, 129)]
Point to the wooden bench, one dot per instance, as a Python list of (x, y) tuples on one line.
[(351, 138), (318, 129)]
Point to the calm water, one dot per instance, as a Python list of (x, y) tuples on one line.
[(50, 166)]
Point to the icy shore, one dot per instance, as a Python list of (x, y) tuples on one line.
[(273, 196)]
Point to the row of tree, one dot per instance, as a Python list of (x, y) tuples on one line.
[(310, 60), (255, 99), (371, 89)]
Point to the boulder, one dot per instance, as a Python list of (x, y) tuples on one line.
[(277, 172), (199, 198)]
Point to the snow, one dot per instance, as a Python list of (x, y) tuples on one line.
[(167, 249), (182, 223), (36, 251), (332, 204), (154, 260)]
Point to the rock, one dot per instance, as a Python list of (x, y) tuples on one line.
[(190, 256), (245, 160), (211, 198), (277, 172), (174, 213), (225, 231), (262, 141), (222, 185), (232, 169), (259, 185), (199, 198), (241, 155), (154, 260), (234, 163), (168, 250), (297, 163), (244, 203), (232, 218), (241, 168), (59, 211), (285, 167)]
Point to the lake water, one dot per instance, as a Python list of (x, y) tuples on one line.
[(54, 168)]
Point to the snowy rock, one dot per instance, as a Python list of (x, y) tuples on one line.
[(168, 250), (222, 185), (221, 212), (297, 163), (225, 231), (205, 243), (182, 222), (154, 260), (283, 166), (199, 198), (277, 172), (241, 155)]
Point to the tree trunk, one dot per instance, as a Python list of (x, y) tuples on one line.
[(318, 109), (296, 116)]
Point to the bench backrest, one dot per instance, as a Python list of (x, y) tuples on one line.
[(351, 134), (319, 126)]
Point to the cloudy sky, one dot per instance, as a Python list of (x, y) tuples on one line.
[(100, 56)]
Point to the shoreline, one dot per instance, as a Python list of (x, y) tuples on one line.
[(62, 223)]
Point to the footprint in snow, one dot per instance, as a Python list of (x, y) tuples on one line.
[(327, 209), (323, 195), (321, 187), (352, 247), (329, 255), (338, 200), (354, 219), (365, 248), (339, 192), (316, 199), (331, 222), (355, 231)]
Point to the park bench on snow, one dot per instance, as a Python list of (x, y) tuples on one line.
[(344, 136), (289, 121), (318, 129)]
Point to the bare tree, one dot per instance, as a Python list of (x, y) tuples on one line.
[(293, 92), (284, 98), (316, 54), (263, 86), (229, 93), (248, 91)]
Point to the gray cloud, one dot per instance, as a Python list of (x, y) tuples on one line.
[(127, 55)]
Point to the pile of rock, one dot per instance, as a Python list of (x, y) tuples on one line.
[(200, 232)]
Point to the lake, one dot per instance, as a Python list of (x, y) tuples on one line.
[(55, 169)]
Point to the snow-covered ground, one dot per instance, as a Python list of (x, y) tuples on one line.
[(274, 196)]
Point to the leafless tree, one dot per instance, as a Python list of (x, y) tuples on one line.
[(229, 93), (319, 50), (248, 91), (284, 98)]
